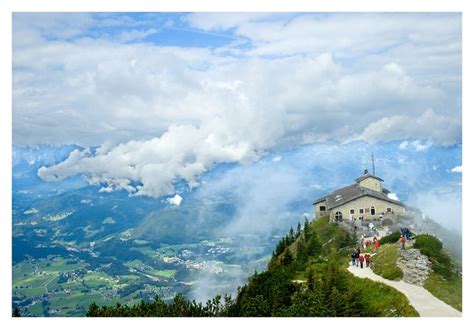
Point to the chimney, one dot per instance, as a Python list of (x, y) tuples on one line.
[(366, 172)]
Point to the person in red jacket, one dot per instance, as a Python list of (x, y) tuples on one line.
[(361, 261), (367, 260), (376, 245)]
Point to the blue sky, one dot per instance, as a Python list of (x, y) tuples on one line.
[(168, 96)]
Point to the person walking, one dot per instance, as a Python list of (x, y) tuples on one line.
[(361, 261), (376, 245), (402, 241), (357, 256), (367, 260)]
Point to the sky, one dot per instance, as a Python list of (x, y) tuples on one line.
[(158, 97)]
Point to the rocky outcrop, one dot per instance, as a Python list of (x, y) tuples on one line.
[(416, 267)]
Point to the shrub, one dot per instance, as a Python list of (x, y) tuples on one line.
[(433, 248), (391, 238), (428, 244)]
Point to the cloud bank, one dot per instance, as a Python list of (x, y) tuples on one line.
[(168, 96)]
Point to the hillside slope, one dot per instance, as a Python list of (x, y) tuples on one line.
[(306, 276)]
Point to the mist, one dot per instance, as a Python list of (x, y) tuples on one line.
[(277, 191)]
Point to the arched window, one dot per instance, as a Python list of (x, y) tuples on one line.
[(338, 216)]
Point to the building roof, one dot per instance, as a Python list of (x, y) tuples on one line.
[(367, 175), (350, 193)]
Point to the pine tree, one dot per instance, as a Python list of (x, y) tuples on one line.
[(313, 246), (306, 229), (287, 257), (298, 230), (16, 313), (301, 252)]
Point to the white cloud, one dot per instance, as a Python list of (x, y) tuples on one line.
[(176, 200), (134, 35), (437, 128), (88, 88), (184, 152), (403, 145), (416, 145), (457, 169), (276, 159), (393, 196), (223, 21), (164, 113), (420, 146)]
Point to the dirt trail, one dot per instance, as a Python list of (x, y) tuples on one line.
[(421, 299)]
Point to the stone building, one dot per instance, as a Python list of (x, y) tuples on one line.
[(366, 199)]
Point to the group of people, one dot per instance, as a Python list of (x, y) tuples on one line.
[(358, 259), (365, 243)]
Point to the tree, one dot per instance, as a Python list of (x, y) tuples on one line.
[(298, 230), (291, 235), (93, 310), (256, 306), (313, 246), (306, 229), (301, 251), (287, 257), (16, 312)]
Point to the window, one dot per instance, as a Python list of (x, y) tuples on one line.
[(372, 210), (352, 211), (338, 216), (322, 208), (389, 210)]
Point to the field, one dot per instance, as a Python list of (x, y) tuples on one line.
[(126, 272)]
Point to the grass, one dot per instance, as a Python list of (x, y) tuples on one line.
[(129, 278), (385, 262), (36, 310), (146, 250), (30, 292), (169, 274), (33, 281), (59, 264), (392, 238), (444, 282), (449, 291), (380, 298), (133, 263), (97, 280)]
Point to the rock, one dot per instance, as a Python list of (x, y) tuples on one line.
[(416, 267)]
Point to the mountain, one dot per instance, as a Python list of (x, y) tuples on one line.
[(306, 277), (73, 243)]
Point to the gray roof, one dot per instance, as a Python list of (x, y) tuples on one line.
[(361, 178), (352, 192)]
